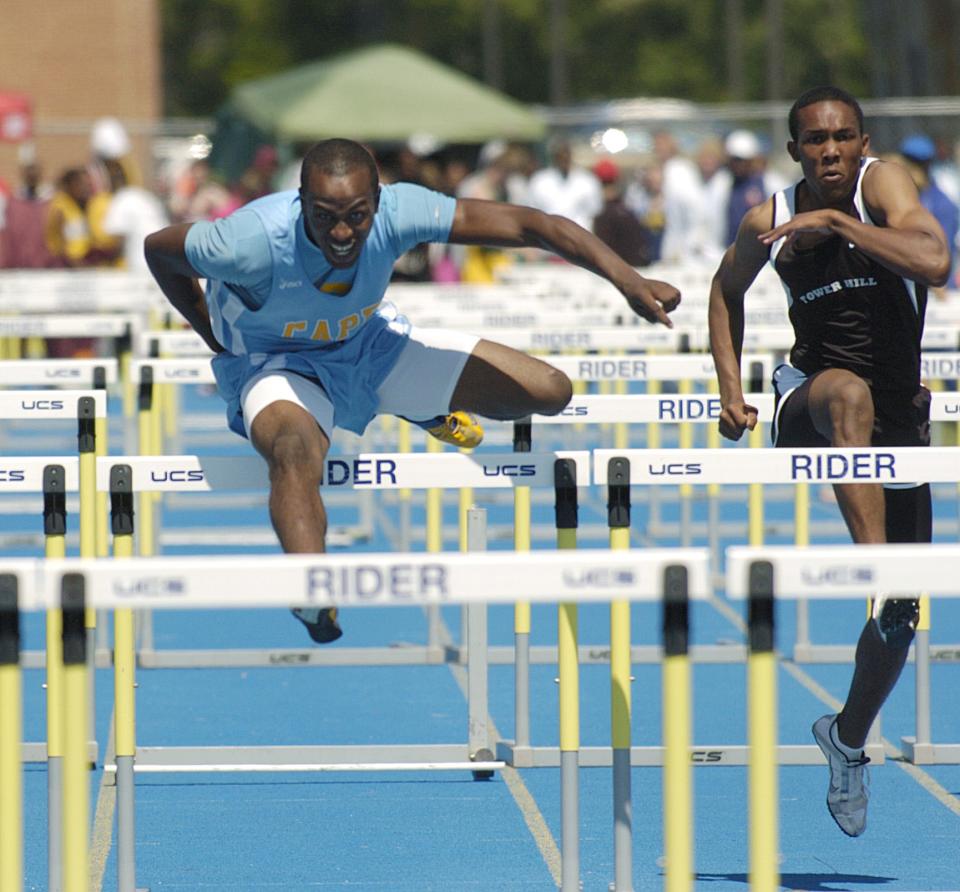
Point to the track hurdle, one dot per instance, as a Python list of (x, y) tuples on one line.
[(89, 410), (54, 477), (368, 580), (826, 571), (873, 464), (345, 473)]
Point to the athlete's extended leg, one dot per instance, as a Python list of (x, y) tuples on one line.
[(841, 409), (503, 383), (886, 638), (295, 448)]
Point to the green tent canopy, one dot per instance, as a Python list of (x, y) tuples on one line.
[(383, 93)]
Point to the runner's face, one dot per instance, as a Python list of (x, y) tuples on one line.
[(338, 212), (829, 148)]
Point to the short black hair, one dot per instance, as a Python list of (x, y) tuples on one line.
[(822, 94), (338, 157)]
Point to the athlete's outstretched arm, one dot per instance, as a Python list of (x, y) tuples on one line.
[(167, 259), (502, 225), (738, 268), (907, 238)]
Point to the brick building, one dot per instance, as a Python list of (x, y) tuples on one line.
[(79, 60)]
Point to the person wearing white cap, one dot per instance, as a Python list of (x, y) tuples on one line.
[(109, 141), (746, 187)]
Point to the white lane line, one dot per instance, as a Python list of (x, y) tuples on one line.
[(529, 810), (102, 835)]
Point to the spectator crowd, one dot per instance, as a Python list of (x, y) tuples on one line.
[(666, 205)]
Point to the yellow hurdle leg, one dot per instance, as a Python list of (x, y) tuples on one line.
[(11, 736), (677, 787), (76, 768), (762, 730)]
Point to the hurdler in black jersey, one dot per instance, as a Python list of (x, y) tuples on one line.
[(848, 311), (856, 252)]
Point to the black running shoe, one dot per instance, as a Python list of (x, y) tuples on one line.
[(321, 622)]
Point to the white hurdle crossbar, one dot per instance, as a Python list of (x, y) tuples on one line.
[(901, 465), (370, 580), (343, 473), (85, 373), (338, 580), (702, 408)]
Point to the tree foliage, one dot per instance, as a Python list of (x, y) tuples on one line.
[(615, 48)]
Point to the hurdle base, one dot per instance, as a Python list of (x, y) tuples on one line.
[(370, 757), (401, 654), (844, 653), (930, 753), (37, 752), (721, 755), (37, 659), (404, 654)]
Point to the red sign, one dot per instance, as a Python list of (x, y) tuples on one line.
[(16, 117)]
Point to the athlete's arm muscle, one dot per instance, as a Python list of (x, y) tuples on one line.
[(911, 241), (907, 238), (479, 222), (738, 268), (167, 259)]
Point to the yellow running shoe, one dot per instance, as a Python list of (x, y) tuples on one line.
[(458, 429)]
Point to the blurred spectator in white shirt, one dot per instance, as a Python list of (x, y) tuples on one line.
[(682, 200), (564, 189), (132, 215)]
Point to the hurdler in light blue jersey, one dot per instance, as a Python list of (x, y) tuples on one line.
[(275, 301)]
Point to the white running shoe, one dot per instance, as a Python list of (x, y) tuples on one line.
[(849, 788)]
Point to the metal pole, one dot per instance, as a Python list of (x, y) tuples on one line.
[(921, 650), (434, 545), (522, 442), (762, 723), (618, 520), (733, 37), (76, 771), (559, 81), (477, 693), (565, 486), (677, 796), (54, 527), (121, 498), (87, 448), (492, 45)]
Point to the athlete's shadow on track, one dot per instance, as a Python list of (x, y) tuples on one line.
[(805, 882)]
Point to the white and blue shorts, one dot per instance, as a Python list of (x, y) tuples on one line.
[(418, 387)]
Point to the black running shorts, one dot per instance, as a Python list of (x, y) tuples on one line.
[(899, 419)]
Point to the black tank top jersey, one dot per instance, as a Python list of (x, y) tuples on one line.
[(847, 310)]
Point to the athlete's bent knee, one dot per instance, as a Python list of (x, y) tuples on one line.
[(554, 392), (851, 410), (291, 453)]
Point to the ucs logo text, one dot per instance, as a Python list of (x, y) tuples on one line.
[(41, 405), (509, 470), (177, 475)]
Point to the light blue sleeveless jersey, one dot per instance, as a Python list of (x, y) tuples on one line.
[(276, 303)]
